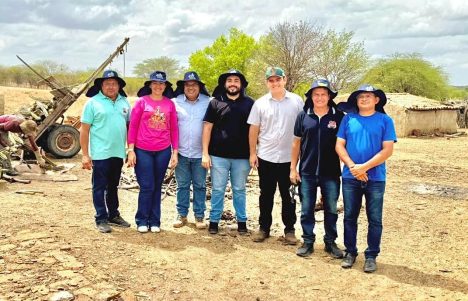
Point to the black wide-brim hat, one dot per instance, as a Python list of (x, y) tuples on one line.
[(157, 76), (108, 74), (190, 76), (146, 89), (220, 89), (320, 83), (350, 106)]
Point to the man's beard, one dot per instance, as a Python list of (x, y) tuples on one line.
[(234, 92)]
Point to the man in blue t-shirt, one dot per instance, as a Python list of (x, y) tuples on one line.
[(365, 140)]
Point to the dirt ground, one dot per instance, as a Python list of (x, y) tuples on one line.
[(49, 244)]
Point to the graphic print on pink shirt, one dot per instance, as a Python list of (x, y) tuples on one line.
[(157, 120)]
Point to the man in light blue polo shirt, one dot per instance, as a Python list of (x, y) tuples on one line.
[(192, 100), (103, 137)]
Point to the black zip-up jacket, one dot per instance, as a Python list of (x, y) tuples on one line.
[(318, 138)]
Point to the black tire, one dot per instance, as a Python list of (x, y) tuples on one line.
[(63, 141)]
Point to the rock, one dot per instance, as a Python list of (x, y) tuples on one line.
[(62, 296)]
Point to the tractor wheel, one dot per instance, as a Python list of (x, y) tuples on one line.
[(63, 141)]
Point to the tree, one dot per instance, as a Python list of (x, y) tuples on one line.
[(409, 73), (163, 63), (234, 51), (339, 60), (292, 46)]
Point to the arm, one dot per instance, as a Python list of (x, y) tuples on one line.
[(340, 149), (293, 174), (86, 161), (206, 137), (2, 143), (174, 137), (253, 138), (377, 159), (135, 117)]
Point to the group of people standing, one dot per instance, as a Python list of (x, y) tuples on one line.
[(287, 140)]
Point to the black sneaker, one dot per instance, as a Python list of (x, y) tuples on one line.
[(103, 227), (333, 250), (305, 250), (242, 228), (348, 261), (213, 228), (119, 221), (370, 265)]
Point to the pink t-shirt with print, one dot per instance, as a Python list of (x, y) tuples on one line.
[(153, 124)]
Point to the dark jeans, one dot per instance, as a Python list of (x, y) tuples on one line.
[(270, 175), (330, 189), (105, 179), (150, 169), (353, 190)]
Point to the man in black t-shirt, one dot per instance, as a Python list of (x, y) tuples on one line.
[(314, 143), (225, 142)]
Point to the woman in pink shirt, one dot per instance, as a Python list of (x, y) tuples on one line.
[(152, 131)]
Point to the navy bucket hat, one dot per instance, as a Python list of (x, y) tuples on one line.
[(220, 89), (190, 76), (350, 106), (108, 74), (320, 83), (156, 76)]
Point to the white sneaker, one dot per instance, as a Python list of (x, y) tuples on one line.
[(142, 229), (155, 229)]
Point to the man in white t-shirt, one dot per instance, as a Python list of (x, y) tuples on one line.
[(270, 138)]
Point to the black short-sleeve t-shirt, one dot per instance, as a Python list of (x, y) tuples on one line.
[(230, 133)]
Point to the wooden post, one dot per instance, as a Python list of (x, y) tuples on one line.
[(2, 104)]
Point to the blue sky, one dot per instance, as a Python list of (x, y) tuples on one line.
[(82, 33)]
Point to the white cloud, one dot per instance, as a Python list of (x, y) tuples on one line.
[(82, 33)]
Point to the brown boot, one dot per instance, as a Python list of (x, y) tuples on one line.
[(180, 221), (290, 238), (260, 236)]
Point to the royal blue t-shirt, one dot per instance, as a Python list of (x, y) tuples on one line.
[(364, 136)]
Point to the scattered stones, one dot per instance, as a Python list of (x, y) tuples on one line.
[(62, 296)]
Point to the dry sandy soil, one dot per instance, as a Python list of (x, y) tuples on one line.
[(48, 243)]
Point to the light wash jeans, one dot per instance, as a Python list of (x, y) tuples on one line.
[(223, 169)]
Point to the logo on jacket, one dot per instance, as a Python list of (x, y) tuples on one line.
[(331, 124)]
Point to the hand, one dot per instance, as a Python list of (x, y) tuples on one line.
[(294, 176), (131, 158), (41, 162), (363, 178), (86, 162), (206, 161), (253, 161), (174, 160), (358, 170)]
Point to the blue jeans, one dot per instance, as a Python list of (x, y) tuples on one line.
[(150, 169), (190, 172), (105, 179), (353, 190), (330, 189), (222, 169)]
